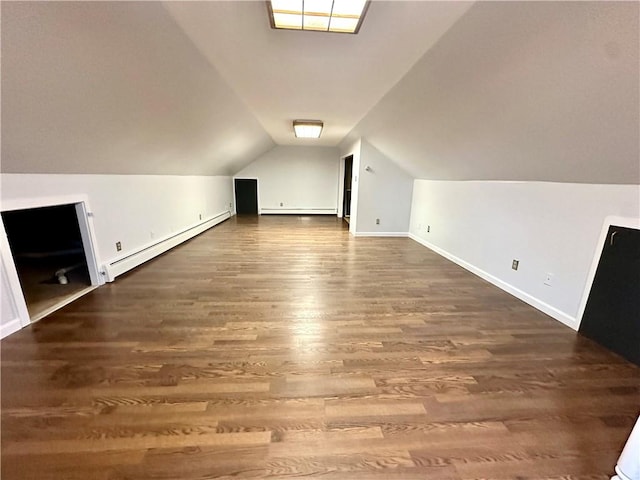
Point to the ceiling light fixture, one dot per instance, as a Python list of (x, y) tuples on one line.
[(341, 16), (307, 128)]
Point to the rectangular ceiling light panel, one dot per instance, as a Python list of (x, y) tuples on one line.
[(343, 16), (307, 128), (287, 21)]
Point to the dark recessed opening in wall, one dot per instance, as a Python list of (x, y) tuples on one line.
[(346, 197), (612, 314), (246, 193), (47, 249)]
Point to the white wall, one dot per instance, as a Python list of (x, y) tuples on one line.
[(303, 179), (132, 209), (549, 227), (384, 193), (9, 315)]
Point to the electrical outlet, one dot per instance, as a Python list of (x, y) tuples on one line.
[(281, 204), (548, 279), (230, 205), (428, 228), (200, 216), (118, 246), (377, 221), (514, 264)]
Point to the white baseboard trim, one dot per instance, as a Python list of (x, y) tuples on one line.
[(118, 266), (380, 234), (298, 211), (10, 327), (553, 312)]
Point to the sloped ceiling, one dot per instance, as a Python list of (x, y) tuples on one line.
[(115, 87), (545, 91), (189, 87), (448, 90), (336, 78)]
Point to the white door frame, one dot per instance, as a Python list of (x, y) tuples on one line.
[(11, 280), (89, 243), (341, 172)]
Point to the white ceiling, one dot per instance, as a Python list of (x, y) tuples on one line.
[(337, 78), (116, 87), (531, 91)]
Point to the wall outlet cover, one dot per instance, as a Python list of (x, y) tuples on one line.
[(515, 264)]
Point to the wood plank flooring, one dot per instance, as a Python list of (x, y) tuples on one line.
[(281, 347)]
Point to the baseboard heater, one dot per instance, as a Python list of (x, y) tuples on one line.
[(121, 265), (298, 211)]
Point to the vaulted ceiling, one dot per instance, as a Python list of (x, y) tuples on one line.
[(545, 91), (337, 78), (448, 90)]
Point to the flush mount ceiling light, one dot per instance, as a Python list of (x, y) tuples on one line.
[(307, 128), (342, 16)]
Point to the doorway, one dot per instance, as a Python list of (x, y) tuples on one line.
[(48, 251), (346, 197), (612, 313), (246, 192)]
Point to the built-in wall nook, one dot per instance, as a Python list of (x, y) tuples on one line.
[(612, 311), (49, 256)]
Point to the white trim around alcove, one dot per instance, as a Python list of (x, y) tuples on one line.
[(84, 215)]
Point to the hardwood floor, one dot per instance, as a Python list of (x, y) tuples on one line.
[(284, 348)]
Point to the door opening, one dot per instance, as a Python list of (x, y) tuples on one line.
[(612, 313), (246, 192), (49, 255), (346, 197)]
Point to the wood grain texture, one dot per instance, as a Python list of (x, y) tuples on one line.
[(282, 347)]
